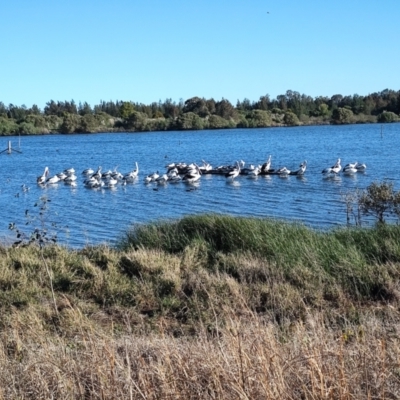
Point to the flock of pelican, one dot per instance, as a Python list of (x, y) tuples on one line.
[(189, 173)]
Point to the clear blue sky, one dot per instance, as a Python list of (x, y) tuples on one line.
[(151, 50)]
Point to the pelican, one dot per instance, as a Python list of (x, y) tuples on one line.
[(173, 172), (111, 182), (253, 173), (70, 179), (174, 178), (88, 171), (152, 177), (130, 176), (233, 173), (267, 165), (205, 167), (162, 179), (69, 171), (62, 175), (42, 178), (53, 179), (192, 175), (335, 169), (301, 170), (93, 183), (106, 175), (350, 169), (360, 167), (283, 172), (97, 174), (116, 175)]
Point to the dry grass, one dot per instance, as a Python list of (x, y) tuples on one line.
[(315, 319), (247, 359)]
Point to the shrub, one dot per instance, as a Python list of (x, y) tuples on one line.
[(380, 201), (387, 116)]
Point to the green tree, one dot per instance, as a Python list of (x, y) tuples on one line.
[(225, 109), (217, 122), (189, 121), (8, 126), (126, 109), (342, 115), (136, 121), (89, 123), (380, 200), (291, 119), (70, 123), (387, 116), (259, 119), (53, 122), (197, 106)]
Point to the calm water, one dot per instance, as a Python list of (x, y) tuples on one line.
[(85, 216)]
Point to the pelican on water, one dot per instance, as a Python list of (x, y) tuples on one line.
[(334, 170), (53, 179), (192, 175), (152, 177), (234, 172), (283, 172), (266, 166), (301, 170), (42, 178), (350, 169), (131, 176), (361, 167)]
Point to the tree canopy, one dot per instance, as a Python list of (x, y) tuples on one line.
[(289, 109)]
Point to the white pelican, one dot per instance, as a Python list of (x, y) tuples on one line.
[(173, 172), (301, 170), (88, 171), (174, 178), (233, 173), (93, 183), (266, 166), (70, 179), (111, 182), (97, 174), (253, 173), (205, 166), (193, 175), (350, 169), (106, 175), (162, 179), (62, 175), (69, 171), (53, 179), (335, 169), (361, 167), (42, 178), (152, 177), (130, 176), (283, 172)]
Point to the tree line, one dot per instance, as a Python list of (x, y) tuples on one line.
[(289, 109)]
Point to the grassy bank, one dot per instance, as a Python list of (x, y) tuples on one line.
[(205, 307)]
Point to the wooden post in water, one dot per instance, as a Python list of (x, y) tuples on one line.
[(9, 149), (381, 131)]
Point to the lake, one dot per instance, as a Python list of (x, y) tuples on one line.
[(84, 216)]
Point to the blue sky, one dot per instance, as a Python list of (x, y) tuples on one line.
[(151, 50)]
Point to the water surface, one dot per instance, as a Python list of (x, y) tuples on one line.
[(83, 216)]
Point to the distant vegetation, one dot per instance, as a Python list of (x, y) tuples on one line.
[(196, 113)]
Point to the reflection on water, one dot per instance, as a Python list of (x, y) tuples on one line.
[(102, 214)]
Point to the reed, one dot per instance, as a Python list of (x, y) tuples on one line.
[(205, 307)]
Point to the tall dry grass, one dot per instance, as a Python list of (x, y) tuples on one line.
[(205, 307), (246, 359)]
